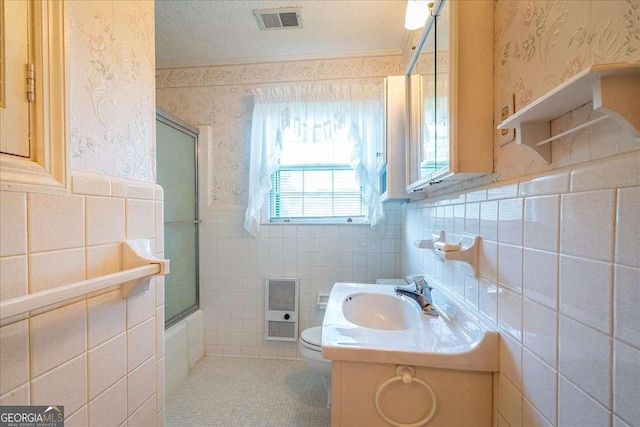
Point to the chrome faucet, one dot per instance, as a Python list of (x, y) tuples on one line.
[(420, 292)]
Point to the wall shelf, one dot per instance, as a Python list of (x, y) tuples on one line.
[(614, 90)]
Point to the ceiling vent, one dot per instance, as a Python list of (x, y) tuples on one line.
[(277, 19)]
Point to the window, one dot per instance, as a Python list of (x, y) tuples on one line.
[(313, 155), (314, 178)]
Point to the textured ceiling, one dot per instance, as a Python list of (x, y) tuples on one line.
[(215, 32)]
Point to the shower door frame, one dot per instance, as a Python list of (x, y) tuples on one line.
[(182, 126)]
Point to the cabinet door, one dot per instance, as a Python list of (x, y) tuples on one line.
[(439, 156), (422, 113), (14, 56)]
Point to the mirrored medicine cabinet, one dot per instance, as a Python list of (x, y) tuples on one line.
[(450, 96)]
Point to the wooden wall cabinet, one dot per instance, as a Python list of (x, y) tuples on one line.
[(450, 97)]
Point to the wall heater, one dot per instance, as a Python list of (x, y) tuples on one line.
[(281, 308)]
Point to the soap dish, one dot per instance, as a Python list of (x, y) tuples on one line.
[(469, 253)]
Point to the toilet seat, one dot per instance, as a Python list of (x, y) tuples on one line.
[(311, 338)]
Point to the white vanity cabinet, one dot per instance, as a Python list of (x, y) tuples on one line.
[(372, 394), (450, 135)]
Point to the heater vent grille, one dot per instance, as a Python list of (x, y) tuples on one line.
[(281, 308), (277, 19)]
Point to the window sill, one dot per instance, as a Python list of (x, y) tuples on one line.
[(318, 221)]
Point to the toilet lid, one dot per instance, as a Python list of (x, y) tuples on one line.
[(312, 336)]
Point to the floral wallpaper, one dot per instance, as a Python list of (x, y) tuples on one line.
[(540, 44), (112, 65), (221, 97)]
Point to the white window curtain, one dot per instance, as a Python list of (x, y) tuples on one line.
[(359, 108)]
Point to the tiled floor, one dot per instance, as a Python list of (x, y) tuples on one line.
[(245, 392)]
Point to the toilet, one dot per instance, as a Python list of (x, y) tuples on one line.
[(310, 351)]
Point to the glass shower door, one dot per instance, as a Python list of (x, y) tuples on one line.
[(176, 157)]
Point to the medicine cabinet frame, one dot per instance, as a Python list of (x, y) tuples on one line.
[(45, 170), (467, 96)]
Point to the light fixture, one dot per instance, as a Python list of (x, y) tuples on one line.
[(416, 15)]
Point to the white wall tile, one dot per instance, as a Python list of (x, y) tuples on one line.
[(159, 226), (55, 222), (541, 222), (586, 289), (511, 360), (141, 343), (540, 331), (70, 377), (160, 418), (159, 319), (78, 418), (107, 365), (141, 307), (141, 384), (626, 383), (105, 220), (18, 396), (585, 359), (626, 314), (471, 290), (90, 184), (504, 191), (14, 355), (50, 269), (576, 408), (102, 260), (587, 225), (531, 417), (628, 227), (57, 336), (540, 277), (510, 267), (555, 183), (510, 221), (489, 220), (510, 312), (110, 408), (13, 276), (617, 422), (107, 317), (488, 299), (489, 261), (145, 416), (132, 189), (140, 220), (13, 223), (614, 172), (160, 383), (472, 219), (540, 384)]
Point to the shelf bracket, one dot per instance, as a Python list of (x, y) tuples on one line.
[(617, 97), (529, 133), (137, 253)]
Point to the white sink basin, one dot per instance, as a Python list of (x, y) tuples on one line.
[(370, 323), (380, 311)]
